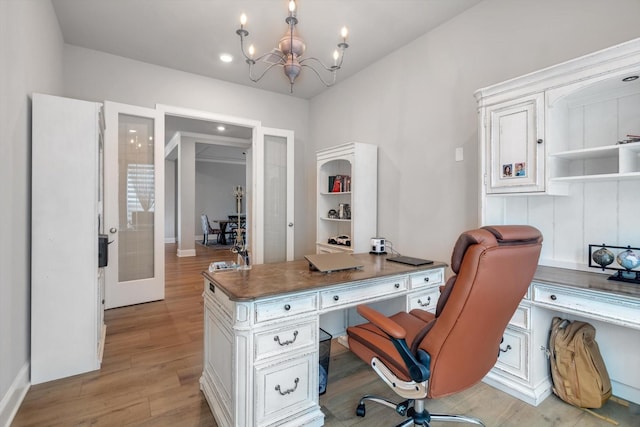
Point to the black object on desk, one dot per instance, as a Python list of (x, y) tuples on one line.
[(410, 260)]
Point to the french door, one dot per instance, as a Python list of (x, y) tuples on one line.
[(274, 191), (134, 204)]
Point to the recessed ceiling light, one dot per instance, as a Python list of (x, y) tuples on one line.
[(225, 57), (630, 78), (221, 128)]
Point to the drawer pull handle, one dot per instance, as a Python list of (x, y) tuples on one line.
[(336, 297), (506, 349), (426, 279), (553, 297), (287, 307), (397, 286), (288, 391), (283, 343), (424, 304)]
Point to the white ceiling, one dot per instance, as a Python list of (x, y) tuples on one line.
[(190, 35)]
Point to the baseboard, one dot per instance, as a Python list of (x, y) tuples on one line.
[(12, 400), (186, 252), (169, 239)]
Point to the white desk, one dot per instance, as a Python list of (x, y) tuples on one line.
[(261, 332), (612, 307)]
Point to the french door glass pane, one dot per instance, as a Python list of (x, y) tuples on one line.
[(136, 197), (275, 199)]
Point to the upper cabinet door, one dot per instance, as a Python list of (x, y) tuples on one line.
[(516, 149)]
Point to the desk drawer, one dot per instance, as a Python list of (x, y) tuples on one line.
[(521, 317), (285, 306), (288, 338), (513, 353), (424, 300), (427, 278), (216, 294), (285, 388), (625, 311), (356, 294)]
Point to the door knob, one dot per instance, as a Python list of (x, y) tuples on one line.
[(113, 230), (290, 224)]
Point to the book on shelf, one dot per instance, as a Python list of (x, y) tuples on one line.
[(339, 183)]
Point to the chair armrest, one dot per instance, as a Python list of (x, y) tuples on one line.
[(418, 370), (388, 326)]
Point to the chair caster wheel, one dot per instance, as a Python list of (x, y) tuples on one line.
[(360, 410)]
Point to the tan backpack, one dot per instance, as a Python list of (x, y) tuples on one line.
[(578, 372)]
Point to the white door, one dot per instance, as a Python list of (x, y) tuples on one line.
[(274, 185), (134, 204)]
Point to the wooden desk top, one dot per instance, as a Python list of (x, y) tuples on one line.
[(585, 280), (276, 279)]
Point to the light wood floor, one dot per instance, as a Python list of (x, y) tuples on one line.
[(153, 360)]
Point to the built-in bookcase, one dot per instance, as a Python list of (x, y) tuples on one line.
[(347, 185)]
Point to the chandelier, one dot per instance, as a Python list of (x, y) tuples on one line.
[(288, 54)]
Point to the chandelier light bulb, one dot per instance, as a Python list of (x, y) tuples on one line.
[(243, 20), (292, 6), (344, 32), (336, 55), (252, 51)]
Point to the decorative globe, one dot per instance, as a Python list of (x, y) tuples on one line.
[(602, 257), (628, 259)]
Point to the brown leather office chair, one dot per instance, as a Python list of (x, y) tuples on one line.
[(421, 355)]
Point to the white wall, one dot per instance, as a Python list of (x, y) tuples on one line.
[(417, 105), (214, 191), (31, 61), (97, 76)]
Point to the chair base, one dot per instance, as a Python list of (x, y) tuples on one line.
[(415, 411)]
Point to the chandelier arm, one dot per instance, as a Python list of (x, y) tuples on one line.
[(257, 79), (333, 73), (331, 68)]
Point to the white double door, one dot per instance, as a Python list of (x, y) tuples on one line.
[(134, 199)]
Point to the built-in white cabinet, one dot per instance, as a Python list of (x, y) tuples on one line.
[(515, 134), (67, 286), (562, 124), (347, 197)]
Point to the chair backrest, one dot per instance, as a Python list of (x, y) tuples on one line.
[(494, 267), (204, 221)]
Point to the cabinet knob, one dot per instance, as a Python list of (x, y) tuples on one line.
[(540, 141), (553, 297), (287, 307), (426, 279), (336, 297), (397, 285)]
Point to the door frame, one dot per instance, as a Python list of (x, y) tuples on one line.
[(255, 161)]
